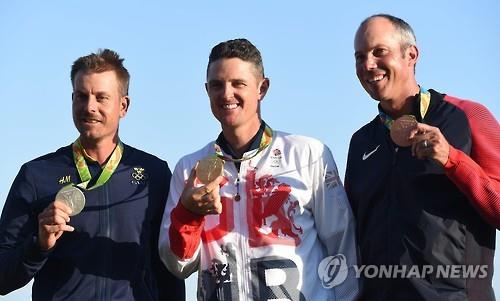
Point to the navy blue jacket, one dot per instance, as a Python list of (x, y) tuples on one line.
[(111, 255)]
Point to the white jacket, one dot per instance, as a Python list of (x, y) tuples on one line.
[(292, 213)]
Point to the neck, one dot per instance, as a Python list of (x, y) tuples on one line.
[(403, 104), (99, 150), (239, 138)]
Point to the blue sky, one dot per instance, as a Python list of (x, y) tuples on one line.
[(308, 54)]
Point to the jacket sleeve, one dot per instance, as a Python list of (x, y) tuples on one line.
[(335, 223), (169, 286), (478, 175), (180, 232), (20, 256)]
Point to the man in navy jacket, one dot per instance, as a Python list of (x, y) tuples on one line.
[(422, 178), (108, 251)]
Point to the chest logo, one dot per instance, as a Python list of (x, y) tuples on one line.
[(275, 158), (64, 180), (366, 156), (139, 176)]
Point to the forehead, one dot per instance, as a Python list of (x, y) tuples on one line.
[(376, 32), (231, 68), (105, 79)]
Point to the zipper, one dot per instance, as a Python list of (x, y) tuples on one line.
[(105, 229), (394, 158), (240, 222)]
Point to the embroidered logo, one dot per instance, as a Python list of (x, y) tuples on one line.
[(139, 176), (332, 179), (276, 158), (366, 156), (65, 180)]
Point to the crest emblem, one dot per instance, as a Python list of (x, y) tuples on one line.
[(276, 157), (139, 176)]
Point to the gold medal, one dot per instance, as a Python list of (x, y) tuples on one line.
[(401, 130), (73, 197), (209, 168)]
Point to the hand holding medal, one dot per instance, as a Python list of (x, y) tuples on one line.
[(204, 200), (403, 129), (426, 141)]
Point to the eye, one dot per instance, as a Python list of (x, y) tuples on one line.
[(239, 84), (102, 97), (378, 52), (214, 85), (79, 97), (359, 57)]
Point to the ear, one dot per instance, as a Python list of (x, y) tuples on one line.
[(124, 104), (264, 86), (412, 52), (206, 87)]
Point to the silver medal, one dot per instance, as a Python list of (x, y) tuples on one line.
[(73, 197)]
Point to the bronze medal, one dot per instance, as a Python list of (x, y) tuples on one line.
[(209, 168), (73, 197), (401, 130)]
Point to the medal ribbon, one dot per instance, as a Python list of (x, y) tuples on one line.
[(266, 139), (79, 155), (425, 100)]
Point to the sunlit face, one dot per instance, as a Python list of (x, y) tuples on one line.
[(383, 69), (235, 91), (97, 105)]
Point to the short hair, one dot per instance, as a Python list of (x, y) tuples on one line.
[(404, 29), (103, 60), (237, 48)]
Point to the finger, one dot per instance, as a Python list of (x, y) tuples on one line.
[(214, 185), (57, 228), (62, 208), (217, 207), (192, 177), (425, 133), (424, 128), (57, 216), (57, 208)]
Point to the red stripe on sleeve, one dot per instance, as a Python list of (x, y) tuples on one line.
[(185, 231), (478, 175)]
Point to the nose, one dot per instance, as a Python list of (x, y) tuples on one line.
[(85, 103), (228, 91), (91, 104), (369, 62)]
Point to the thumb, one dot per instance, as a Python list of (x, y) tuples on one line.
[(192, 177)]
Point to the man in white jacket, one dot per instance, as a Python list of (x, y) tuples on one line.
[(275, 223)]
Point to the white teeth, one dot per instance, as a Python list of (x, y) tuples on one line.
[(230, 106), (376, 78)]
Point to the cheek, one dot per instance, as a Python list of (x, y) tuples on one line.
[(359, 71)]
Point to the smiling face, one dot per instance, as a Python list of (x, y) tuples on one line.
[(235, 90), (98, 106), (384, 68)]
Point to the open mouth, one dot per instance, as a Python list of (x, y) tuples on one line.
[(376, 78), (90, 121), (230, 106)]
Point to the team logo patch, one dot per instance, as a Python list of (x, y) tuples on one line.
[(332, 179), (276, 158), (139, 176)]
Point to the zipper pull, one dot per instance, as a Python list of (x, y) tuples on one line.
[(237, 196)]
